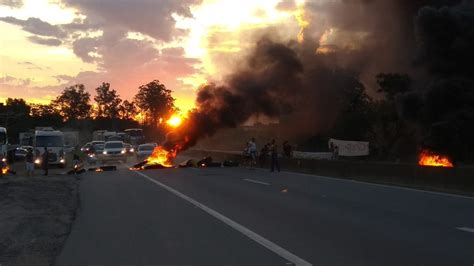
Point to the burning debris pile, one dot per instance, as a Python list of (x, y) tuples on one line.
[(5, 168), (428, 158), (160, 158)]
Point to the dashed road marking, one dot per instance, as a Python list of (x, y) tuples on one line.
[(257, 182), (466, 229), (240, 228)]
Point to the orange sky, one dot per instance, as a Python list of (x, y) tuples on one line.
[(48, 45)]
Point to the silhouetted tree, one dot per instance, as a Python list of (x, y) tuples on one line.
[(155, 100), (128, 110), (14, 109), (108, 101), (73, 103), (45, 111)]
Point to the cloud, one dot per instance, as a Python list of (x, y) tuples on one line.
[(84, 47), (10, 80), (29, 65), (100, 36), (286, 5), (79, 24), (29, 93), (153, 18), (64, 78), (12, 3), (36, 26), (129, 63), (45, 41)]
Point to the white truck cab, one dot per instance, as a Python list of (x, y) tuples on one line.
[(53, 140)]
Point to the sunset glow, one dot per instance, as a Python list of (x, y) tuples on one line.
[(49, 45), (174, 121)]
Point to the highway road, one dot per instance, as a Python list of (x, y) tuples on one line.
[(238, 216)]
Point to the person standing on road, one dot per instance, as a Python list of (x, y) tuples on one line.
[(30, 163), (252, 148), (45, 161), (274, 156)]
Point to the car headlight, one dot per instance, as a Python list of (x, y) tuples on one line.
[(4, 159), (104, 152), (92, 155), (124, 151), (132, 150)]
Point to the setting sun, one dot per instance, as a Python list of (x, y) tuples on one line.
[(174, 121)]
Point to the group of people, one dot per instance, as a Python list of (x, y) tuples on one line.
[(30, 162), (271, 149)]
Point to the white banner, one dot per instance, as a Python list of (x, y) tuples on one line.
[(350, 148)]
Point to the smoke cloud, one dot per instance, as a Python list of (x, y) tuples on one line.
[(276, 80), (307, 85), (444, 108)]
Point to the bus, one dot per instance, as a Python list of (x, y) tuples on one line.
[(136, 136)]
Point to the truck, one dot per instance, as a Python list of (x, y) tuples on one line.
[(136, 136), (104, 135), (53, 140)]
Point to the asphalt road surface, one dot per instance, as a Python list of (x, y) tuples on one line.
[(238, 216)]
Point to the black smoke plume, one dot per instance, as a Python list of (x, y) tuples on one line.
[(275, 80), (444, 108), (266, 83), (431, 40)]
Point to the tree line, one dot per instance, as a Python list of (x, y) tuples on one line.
[(76, 109)]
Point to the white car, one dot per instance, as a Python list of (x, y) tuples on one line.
[(114, 151), (144, 151)]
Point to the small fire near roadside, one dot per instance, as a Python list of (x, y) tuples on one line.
[(5, 170), (428, 158)]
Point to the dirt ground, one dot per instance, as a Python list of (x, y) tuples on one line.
[(36, 215)]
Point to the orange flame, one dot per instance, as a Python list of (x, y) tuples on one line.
[(162, 156), (428, 158), (5, 170)]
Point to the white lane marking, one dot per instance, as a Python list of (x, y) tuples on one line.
[(257, 182), (247, 232), (381, 185), (466, 229)]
